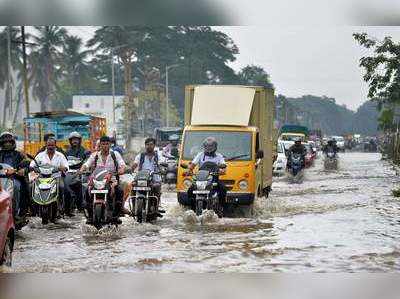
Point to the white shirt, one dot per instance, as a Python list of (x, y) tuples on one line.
[(201, 158), (148, 164), (107, 164), (57, 161)]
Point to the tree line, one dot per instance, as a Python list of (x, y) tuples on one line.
[(61, 65)]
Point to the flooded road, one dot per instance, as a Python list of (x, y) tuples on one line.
[(333, 222)]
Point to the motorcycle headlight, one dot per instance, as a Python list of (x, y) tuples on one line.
[(187, 183), (142, 183), (99, 185), (201, 185), (243, 185)]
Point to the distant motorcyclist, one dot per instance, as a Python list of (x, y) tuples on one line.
[(75, 148), (14, 158), (297, 148), (331, 146), (209, 154), (115, 147), (112, 162), (171, 151), (74, 186)]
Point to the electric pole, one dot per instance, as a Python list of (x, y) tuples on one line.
[(25, 72)]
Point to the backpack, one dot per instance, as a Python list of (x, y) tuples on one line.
[(142, 157), (114, 158)]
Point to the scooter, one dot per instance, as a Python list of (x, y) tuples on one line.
[(46, 192), (296, 167), (330, 161), (143, 203), (204, 185)]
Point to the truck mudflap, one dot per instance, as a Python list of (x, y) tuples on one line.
[(232, 198)]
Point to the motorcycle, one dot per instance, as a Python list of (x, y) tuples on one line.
[(46, 192), (72, 181), (330, 161), (205, 191), (169, 171), (143, 203), (296, 166), (103, 206)]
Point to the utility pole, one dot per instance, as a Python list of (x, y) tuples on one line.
[(113, 91), (25, 72), (166, 97), (9, 83)]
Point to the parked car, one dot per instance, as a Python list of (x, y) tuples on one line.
[(281, 160), (6, 227)]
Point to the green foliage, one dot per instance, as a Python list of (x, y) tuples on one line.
[(385, 120), (382, 68), (254, 75)]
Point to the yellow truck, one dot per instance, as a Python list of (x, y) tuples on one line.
[(241, 119)]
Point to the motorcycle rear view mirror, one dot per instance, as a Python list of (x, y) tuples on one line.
[(163, 164)]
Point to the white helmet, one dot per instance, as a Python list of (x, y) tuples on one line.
[(74, 135)]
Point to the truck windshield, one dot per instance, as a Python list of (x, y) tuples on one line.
[(232, 145)]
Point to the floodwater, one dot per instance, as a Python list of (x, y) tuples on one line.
[(342, 221)]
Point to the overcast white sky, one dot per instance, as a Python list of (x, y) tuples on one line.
[(317, 60)]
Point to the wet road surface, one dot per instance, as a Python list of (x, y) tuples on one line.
[(339, 221)]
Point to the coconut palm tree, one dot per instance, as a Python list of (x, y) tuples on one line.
[(45, 63)]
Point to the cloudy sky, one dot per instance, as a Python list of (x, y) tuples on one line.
[(318, 60)]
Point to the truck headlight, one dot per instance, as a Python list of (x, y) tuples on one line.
[(243, 185), (187, 183)]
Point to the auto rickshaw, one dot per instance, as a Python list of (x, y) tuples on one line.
[(62, 123), (162, 134)]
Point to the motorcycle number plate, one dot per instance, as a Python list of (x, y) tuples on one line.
[(200, 192), (99, 191), (142, 188)]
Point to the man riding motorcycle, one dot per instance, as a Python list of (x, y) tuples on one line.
[(74, 186), (46, 137), (54, 158), (112, 162), (297, 148), (149, 161), (331, 147), (171, 150), (9, 155), (209, 154)]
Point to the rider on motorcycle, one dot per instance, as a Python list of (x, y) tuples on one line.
[(74, 187), (46, 137), (9, 155), (209, 154), (149, 161), (171, 150), (113, 162), (331, 147), (297, 148), (51, 156)]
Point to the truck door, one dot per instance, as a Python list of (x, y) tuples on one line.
[(258, 168)]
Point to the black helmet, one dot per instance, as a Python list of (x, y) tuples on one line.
[(210, 145), (7, 136)]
